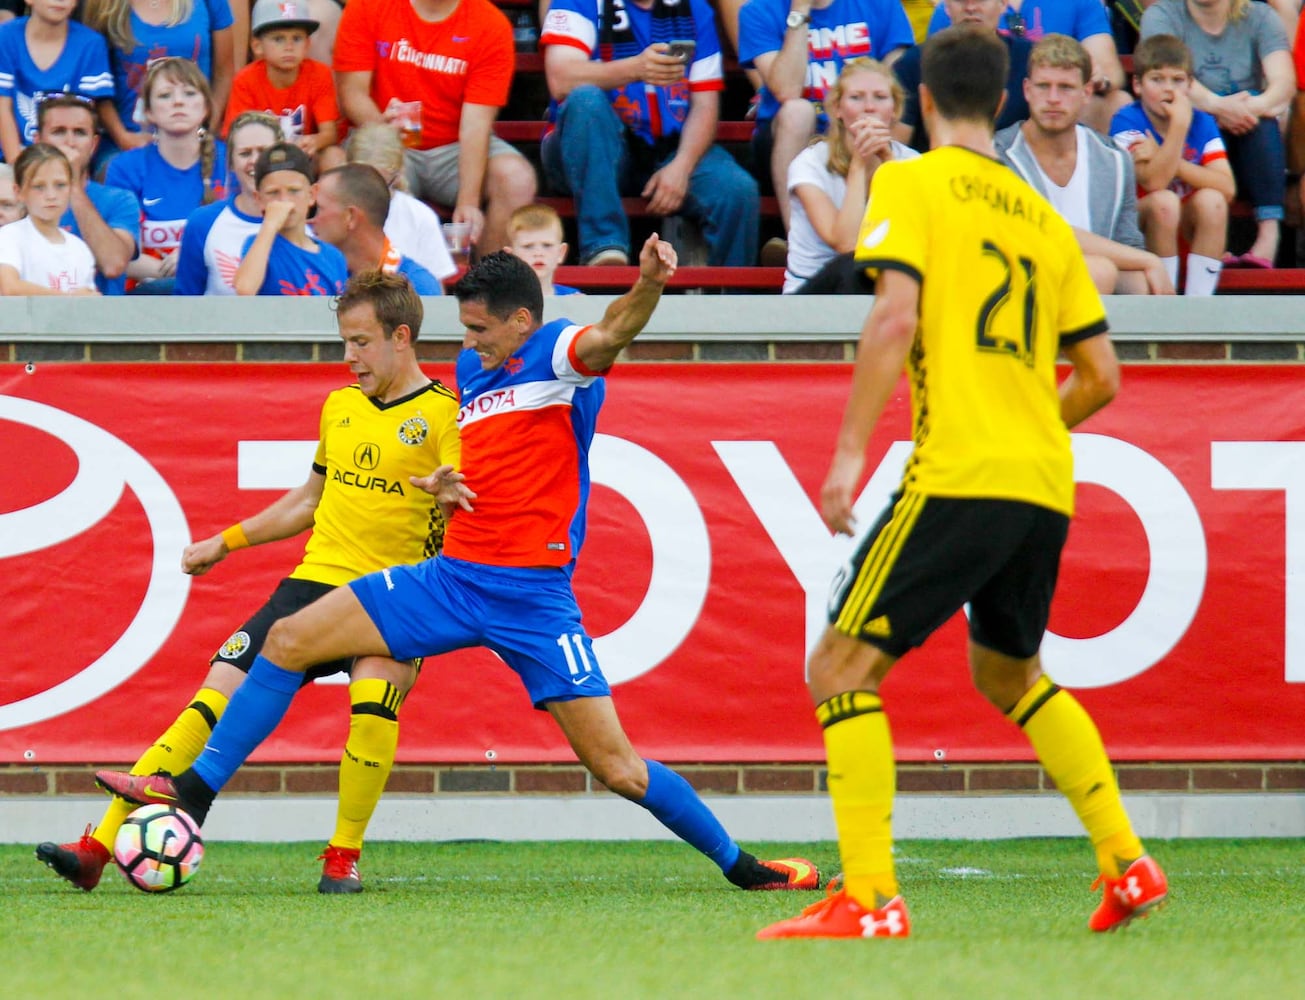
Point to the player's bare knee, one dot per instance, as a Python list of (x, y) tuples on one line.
[(286, 645), (626, 775)]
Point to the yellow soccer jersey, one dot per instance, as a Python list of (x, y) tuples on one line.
[(370, 516), (1002, 285)]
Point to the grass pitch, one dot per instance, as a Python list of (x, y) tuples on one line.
[(1003, 919)]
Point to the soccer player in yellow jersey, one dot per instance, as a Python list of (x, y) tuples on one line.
[(394, 425), (979, 285)]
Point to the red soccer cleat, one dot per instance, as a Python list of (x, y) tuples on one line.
[(81, 863), (1137, 892), (838, 915), (339, 870), (143, 789)]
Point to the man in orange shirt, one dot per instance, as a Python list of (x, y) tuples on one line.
[(283, 81), (439, 70)]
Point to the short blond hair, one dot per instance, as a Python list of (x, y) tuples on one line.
[(1060, 52), (531, 217)]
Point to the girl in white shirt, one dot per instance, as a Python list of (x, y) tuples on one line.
[(36, 256), (830, 179)]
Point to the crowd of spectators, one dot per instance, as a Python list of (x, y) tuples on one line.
[(163, 115)]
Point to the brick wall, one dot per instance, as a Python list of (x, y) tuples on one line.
[(717, 779)]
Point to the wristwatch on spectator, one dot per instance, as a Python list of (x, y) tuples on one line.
[(797, 18)]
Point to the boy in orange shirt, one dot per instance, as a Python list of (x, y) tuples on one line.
[(283, 81)]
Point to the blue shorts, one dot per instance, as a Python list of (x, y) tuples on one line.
[(529, 617)]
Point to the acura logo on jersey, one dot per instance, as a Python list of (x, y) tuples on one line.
[(413, 431), (105, 467), (367, 456)]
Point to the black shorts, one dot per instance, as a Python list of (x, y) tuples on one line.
[(290, 596), (928, 556)]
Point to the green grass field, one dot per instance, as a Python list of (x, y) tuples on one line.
[(631, 920)]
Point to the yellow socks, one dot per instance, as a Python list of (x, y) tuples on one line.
[(368, 757), (862, 780), (1070, 749), (173, 752)]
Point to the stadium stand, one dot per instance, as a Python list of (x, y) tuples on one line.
[(522, 124)]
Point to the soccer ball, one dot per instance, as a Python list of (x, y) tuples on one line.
[(158, 848)]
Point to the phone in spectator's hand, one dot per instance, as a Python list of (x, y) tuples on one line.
[(682, 50)]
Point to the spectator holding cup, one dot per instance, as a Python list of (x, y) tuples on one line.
[(437, 71)]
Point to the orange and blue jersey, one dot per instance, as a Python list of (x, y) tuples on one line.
[(526, 430), (1202, 145), (607, 30)]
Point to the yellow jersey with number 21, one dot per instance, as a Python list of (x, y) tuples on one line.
[(1002, 286)]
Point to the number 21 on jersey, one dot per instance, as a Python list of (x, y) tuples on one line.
[(1007, 319)]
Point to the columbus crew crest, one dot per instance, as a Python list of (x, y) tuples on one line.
[(234, 647), (413, 431)]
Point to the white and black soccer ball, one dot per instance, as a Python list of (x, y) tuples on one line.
[(158, 848)]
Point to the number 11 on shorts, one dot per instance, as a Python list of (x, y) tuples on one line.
[(577, 659)]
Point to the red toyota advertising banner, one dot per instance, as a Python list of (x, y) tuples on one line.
[(1180, 617)]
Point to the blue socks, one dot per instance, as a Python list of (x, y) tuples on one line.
[(255, 709), (674, 802)]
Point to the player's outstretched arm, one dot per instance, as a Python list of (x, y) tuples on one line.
[(286, 516), (599, 346), (881, 355), (1093, 382)]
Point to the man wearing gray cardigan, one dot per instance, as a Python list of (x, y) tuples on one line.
[(1088, 179)]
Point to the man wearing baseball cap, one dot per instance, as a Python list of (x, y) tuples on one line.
[(283, 257), (284, 82)]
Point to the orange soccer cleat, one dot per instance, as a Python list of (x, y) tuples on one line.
[(1137, 892), (838, 915)]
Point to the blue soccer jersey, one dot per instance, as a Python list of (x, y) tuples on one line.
[(652, 113), (121, 211), (845, 30), (167, 195), (82, 68), (190, 39), (292, 270)]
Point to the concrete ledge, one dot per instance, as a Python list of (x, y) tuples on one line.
[(747, 817), (735, 318)]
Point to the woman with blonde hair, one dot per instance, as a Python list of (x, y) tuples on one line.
[(140, 32), (183, 169), (830, 180), (412, 226), (216, 233)]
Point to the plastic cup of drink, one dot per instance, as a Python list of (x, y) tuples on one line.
[(409, 119), (458, 236)]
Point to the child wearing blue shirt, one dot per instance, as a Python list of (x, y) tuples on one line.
[(46, 53), (283, 258)]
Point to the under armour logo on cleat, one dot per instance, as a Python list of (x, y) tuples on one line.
[(889, 926)]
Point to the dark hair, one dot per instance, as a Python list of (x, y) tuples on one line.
[(363, 187), (50, 102), (504, 283), (965, 69), (391, 297), (31, 158), (1161, 52)]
